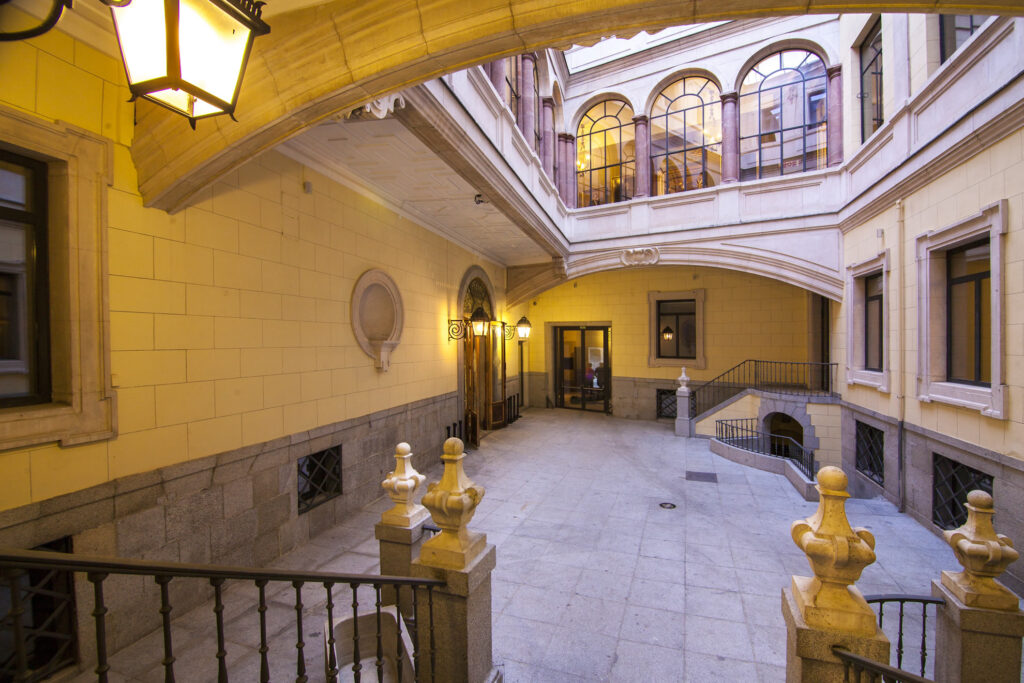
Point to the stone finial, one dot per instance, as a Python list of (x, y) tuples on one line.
[(683, 380), (401, 486), (452, 502), (984, 555), (837, 554)]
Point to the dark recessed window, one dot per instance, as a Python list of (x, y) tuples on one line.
[(48, 600), (870, 458), (951, 482), (667, 403), (870, 95), (677, 328), (954, 30), (874, 303), (319, 478), (24, 282), (969, 314)]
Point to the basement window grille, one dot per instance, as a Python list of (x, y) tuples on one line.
[(951, 482), (47, 599), (667, 403), (319, 478), (870, 459)]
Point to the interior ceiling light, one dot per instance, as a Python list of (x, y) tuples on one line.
[(186, 55)]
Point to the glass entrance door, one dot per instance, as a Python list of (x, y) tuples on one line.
[(583, 368)]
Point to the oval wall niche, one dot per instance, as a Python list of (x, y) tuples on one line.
[(377, 316)]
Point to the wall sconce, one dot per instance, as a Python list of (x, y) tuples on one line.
[(185, 55), (523, 328), (479, 323), (667, 334)]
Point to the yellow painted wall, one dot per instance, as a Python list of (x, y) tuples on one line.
[(746, 316), (747, 406), (229, 321), (827, 419), (995, 173)]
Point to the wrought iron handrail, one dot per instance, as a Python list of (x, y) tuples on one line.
[(902, 600), (782, 377), (14, 561), (856, 665), (743, 433)]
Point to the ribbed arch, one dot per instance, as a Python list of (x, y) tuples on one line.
[(605, 154), (686, 136)]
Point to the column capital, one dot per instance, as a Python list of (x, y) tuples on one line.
[(530, 56), (834, 70), (731, 96), (640, 118), (548, 101)]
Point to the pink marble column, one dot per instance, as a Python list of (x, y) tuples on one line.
[(570, 147), (547, 137), (497, 71), (730, 138), (835, 115), (563, 168), (643, 157), (528, 122)]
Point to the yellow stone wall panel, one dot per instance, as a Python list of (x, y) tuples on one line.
[(56, 470), (262, 425), (136, 409), (125, 211), (141, 368), (183, 403), (77, 100), (240, 395), (182, 262), (263, 361), (281, 390), (146, 296), (147, 450), (16, 482), (212, 301), (300, 417), (131, 331), (214, 436), (234, 271), (130, 253), (259, 242), (18, 74), (207, 229), (238, 204), (240, 333), (183, 331), (207, 364)]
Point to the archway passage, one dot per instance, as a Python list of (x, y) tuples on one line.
[(786, 434), (335, 56)]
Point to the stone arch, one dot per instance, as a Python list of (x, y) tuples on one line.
[(672, 78), (794, 409), (597, 99), (479, 274), (778, 46), (378, 49)]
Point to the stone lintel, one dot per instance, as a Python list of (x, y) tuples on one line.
[(460, 582)]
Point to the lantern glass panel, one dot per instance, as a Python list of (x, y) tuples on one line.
[(213, 47), (142, 34)]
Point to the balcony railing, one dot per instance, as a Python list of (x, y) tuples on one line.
[(780, 377), (744, 433)]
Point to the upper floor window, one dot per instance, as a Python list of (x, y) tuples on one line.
[(686, 136), (874, 304), (24, 282), (954, 30), (872, 114), (968, 317), (512, 85), (538, 125), (605, 154), (676, 326), (783, 115)]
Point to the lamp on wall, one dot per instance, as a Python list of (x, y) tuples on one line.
[(523, 328), (667, 334), (480, 322), (185, 55)]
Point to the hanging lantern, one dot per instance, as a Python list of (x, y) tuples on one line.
[(667, 334), (188, 55), (480, 321), (523, 328)]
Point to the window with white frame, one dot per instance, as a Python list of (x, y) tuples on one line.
[(961, 315), (867, 354), (676, 322)]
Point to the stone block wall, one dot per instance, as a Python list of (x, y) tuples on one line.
[(235, 508)]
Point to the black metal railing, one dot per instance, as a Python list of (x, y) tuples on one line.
[(781, 377), (743, 433), (857, 669), (13, 563), (916, 622), (512, 408), (454, 429)]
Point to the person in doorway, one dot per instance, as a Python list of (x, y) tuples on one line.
[(589, 377)]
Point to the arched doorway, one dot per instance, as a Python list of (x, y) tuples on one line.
[(786, 434), (483, 360)]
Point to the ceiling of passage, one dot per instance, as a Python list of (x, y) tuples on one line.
[(384, 160)]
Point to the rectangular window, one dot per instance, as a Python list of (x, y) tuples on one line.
[(954, 30), (951, 482), (319, 478), (24, 282), (874, 304), (870, 454), (968, 318), (870, 95), (677, 329)]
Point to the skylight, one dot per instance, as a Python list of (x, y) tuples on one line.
[(579, 58)]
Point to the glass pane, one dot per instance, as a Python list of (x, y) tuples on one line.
[(676, 173), (816, 101), (873, 286), (674, 307), (771, 109), (658, 140), (815, 148), (793, 149), (15, 186), (748, 115), (714, 165), (962, 332), (873, 335), (985, 345), (970, 260), (695, 127), (667, 347), (694, 170), (9, 317), (676, 131), (749, 158), (792, 106)]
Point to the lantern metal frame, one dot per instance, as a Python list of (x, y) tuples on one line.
[(458, 328), (668, 334)]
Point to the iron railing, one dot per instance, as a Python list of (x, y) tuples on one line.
[(96, 569), (905, 621), (857, 669), (780, 377), (744, 433)]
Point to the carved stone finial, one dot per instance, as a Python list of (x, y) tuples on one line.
[(452, 503), (838, 554), (683, 380), (401, 486), (984, 555)]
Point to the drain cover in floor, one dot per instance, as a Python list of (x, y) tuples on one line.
[(701, 476)]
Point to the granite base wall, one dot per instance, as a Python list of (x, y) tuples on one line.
[(235, 508)]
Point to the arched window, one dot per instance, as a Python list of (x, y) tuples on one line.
[(783, 115), (606, 154), (686, 136)]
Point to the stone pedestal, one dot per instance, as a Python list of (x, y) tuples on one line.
[(809, 657), (974, 645), (684, 425), (460, 638), (399, 546)]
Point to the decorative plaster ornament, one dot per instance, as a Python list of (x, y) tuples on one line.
[(642, 256), (377, 316), (452, 503), (984, 555)]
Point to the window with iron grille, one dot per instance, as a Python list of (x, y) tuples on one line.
[(319, 478), (47, 600), (870, 458), (667, 403), (951, 482)]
